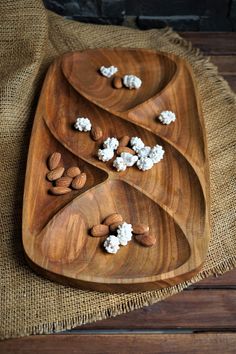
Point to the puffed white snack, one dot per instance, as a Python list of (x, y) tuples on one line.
[(144, 152), (129, 159), (83, 124), (111, 143), (112, 244), (145, 163), (132, 81), (119, 164), (156, 154), (166, 117), (136, 143), (124, 233), (105, 154), (108, 71)]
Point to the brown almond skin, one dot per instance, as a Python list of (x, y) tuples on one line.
[(99, 230), (117, 82), (113, 218), (64, 181), (125, 149), (59, 190), (140, 229), (79, 181), (124, 141), (113, 227), (54, 160), (55, 174), (96, 133), (146, 240), (72, 171)]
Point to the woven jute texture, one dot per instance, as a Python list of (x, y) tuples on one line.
[(30, 38)]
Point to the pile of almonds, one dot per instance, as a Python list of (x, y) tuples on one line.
[(111, 223), (64, 180)]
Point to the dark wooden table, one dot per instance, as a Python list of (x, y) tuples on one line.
[(201, 319)]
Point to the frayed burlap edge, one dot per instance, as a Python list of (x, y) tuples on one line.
[(221, 91)]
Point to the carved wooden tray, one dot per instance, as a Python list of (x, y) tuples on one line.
[(172, 197)]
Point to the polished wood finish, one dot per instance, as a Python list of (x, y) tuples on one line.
[(172, 198), (123, 343)]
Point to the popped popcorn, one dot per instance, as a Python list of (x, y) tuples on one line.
[(119, 164), (144, 163), (108, 71), (111, 143), (166, 117), (156, 154), (112, 244), (124, 233), (83, 124), (105, 154), (132, 81), (129, 159), (136, 143), (144, 151)]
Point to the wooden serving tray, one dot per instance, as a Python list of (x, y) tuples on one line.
[(172, 197)]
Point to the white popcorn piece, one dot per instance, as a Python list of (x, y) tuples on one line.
[(129, 159), (156, 154), (112, 244), (145, 163), (132, 81), (105, 154), (119, 164), (83, 124), (108, 71), (111, 143), (124, 233), (136, 143), (144, 151), (166, 117)]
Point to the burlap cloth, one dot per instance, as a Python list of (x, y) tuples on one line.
[(30, 38)]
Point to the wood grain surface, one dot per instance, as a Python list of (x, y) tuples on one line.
[(172, 198)]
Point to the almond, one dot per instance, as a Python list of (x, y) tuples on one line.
[(140, 229), (64, 181), (146, 239), (72, 172), (124, 141), (54, 160), (96, 133), (117, 82), (114, 226), (59, 190), (113, 218), (55, 174), (99, 230), (125, 149), (79, 181)]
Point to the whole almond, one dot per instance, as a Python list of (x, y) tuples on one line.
[(114, 226), (72, 171), (55, 174), (59, 190), (79, 181), (54, 160), (99, 230), (117, 82), (125, 149), (113, 218), (64, 181), (140, 229), (146, 240), (124, 141), (96, 133)]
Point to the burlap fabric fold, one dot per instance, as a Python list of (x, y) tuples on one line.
[(30, 38)]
